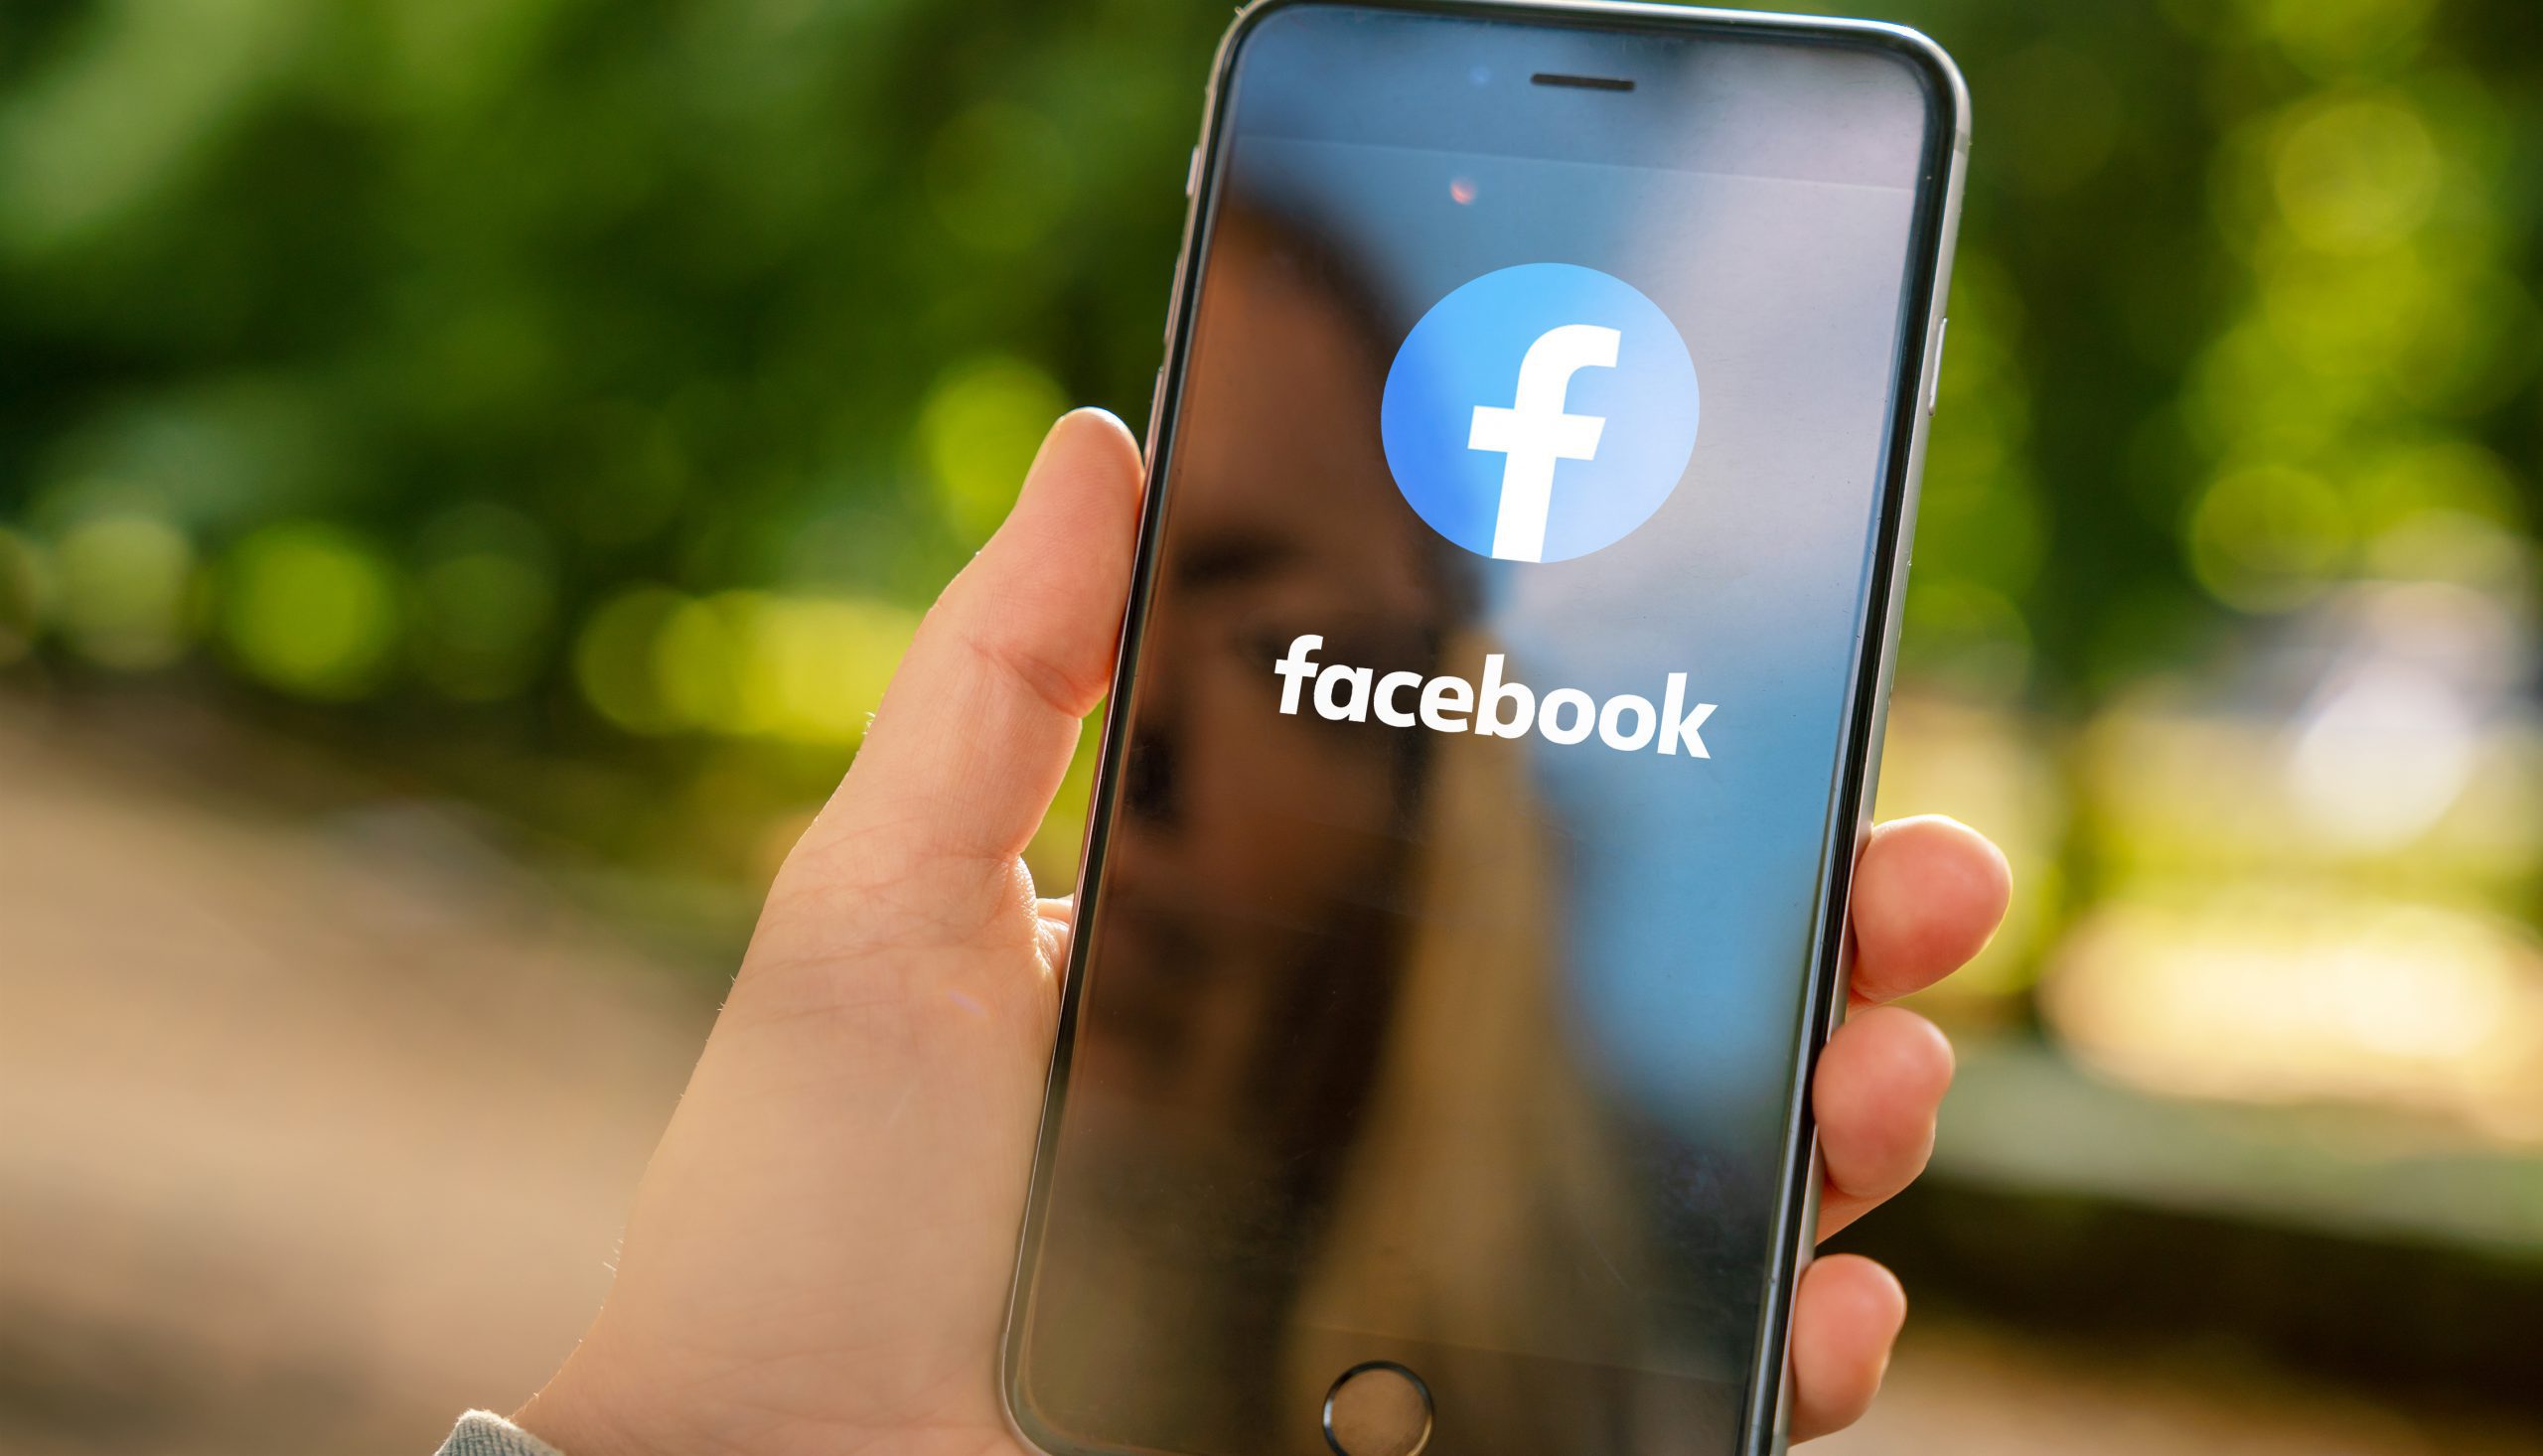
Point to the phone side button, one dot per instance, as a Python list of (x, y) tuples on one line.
[(1934, 375), (1192, 173)]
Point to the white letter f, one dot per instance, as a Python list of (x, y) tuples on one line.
[(1534, 433)]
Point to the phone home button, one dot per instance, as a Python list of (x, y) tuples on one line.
[(1377, 1408)]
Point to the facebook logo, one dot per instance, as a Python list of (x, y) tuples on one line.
[(1540, 412)]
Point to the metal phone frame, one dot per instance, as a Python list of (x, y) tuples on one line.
[(1934, 229)]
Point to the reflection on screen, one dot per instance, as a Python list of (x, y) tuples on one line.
[(1467, 1051)]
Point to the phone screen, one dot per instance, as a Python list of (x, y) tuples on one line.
[(1459, 875)]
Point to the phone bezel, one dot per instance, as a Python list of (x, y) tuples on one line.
[(1933, 229)]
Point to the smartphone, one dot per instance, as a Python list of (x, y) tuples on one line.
[(1463, 898)]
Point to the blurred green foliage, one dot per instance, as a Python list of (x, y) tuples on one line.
[(508, 383), (570, 400)]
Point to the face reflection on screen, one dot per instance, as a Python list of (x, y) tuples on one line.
[(1467, 1052), (1321, 1052)]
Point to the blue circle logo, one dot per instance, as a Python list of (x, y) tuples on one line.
[(1540, 412)]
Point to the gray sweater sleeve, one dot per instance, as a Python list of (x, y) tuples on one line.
[(484, 1434)]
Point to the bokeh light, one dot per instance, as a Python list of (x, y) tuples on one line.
[(129, 590), (977, 429), (310, 608), (22, 590)]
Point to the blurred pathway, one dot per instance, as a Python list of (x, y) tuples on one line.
[(330, 1120), (1986, 1391)]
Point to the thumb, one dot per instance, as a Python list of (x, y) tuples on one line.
[(982, 715)]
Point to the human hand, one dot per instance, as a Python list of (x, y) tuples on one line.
[(819, 1255)]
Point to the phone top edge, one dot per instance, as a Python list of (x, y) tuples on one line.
[(1911, 43)]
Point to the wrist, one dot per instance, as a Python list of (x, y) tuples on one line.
[(577, 1412)]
